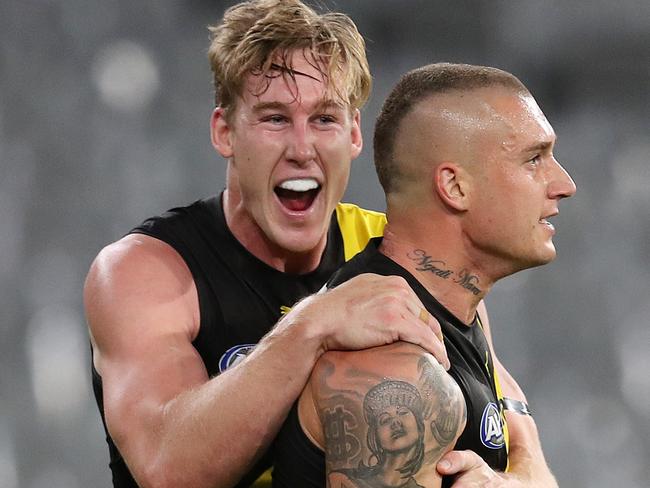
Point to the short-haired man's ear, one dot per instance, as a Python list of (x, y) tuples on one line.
[(452, 185), (221, 133)]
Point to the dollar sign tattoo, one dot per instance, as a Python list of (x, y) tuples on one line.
[(341, 444)]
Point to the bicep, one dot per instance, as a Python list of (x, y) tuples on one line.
[(385, 412), (139, 307)]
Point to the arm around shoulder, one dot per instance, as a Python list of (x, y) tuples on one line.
[(173, 424)]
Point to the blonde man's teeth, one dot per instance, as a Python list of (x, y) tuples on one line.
[(301, 184)]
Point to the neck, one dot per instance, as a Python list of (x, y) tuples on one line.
[(252, 237), (441, 266), (390, 475)]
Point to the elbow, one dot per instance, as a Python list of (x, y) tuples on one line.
[(163, 472), (160, 474), (153, 473)]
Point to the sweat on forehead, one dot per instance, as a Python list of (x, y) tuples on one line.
[(424, 82), (298, 68), (472, 109)]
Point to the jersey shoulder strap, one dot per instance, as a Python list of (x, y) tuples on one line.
[(357, 227), (500, 397)]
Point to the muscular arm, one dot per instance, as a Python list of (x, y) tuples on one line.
[(383, 415), (527, 465), (175, 426)]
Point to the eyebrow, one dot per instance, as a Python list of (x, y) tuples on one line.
[(540, 146), (262, 106), (322, 105)]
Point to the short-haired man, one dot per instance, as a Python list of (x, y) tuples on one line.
[(186, 295), (465, 157)]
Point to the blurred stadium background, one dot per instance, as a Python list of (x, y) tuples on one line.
[(104, 110)]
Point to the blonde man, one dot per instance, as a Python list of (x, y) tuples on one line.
[(176, 307)]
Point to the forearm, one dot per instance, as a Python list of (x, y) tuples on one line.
[(175, 427), (526, 458), (212, 435)]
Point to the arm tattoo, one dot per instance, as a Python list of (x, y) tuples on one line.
[(339, 426), (440, 409), (383, 431)]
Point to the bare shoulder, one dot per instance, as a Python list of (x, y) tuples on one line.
[(138, 287), (385, 412), (142, 312)]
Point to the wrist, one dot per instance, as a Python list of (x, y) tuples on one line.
[(302, 330)]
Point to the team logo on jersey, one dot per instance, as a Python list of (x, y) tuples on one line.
[(491, 428), (234, 356)]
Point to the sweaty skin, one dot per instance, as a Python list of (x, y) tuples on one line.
[(173, 424)]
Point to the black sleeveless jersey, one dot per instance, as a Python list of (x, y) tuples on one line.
[(299, 462), (240, 297)]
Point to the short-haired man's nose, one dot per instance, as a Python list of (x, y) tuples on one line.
[(561, 185), (300, 147)]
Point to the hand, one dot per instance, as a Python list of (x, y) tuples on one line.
[(367, 311), (471, 471)]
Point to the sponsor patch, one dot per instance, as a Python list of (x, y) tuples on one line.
[(234, 356), (491, 428)]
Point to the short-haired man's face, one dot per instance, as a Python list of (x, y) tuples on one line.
[(291, 149), (518, 185)]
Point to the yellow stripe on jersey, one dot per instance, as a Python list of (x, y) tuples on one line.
[(506, 435), (264, 481), (358, 226), (497, 388)]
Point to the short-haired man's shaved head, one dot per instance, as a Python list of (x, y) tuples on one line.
[(442, 127)]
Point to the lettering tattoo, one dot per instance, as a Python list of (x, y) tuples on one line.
[(467, 281), (426, 263)]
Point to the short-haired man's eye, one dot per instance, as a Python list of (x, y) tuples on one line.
[(535, 160)]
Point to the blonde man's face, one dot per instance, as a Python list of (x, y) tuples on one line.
[(290, 149)]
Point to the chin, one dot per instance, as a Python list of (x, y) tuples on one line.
[(299, 242), (543, 259)]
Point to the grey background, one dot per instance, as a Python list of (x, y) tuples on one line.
[(104, 111)]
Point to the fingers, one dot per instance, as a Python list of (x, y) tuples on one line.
[(439, 351), (370, 310), (419, 326), (455, 462), (431, 322), (434, 343)]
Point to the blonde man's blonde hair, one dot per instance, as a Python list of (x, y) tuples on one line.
[(258, 37)]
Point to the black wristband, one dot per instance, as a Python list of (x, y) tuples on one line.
[(516, 406)]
